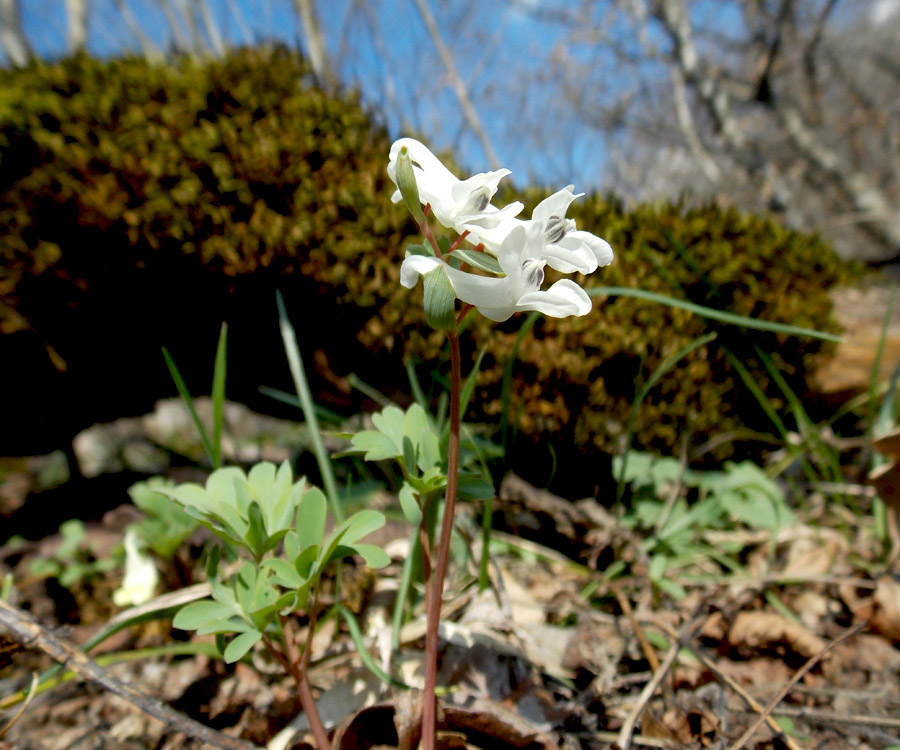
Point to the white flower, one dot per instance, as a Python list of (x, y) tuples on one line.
[(454, 202), (498, 297), (141, 575), (565, 248)]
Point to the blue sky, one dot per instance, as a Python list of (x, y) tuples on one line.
[(497, 54)]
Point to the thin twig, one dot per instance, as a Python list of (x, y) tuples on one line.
[(624, 739), (29, 632), (459, 88), (32, 691), (810, 663), (731, 683), (830, 717), (648, 650)]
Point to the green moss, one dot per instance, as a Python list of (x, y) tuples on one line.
[(239, 166)]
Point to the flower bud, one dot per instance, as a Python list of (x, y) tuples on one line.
[(406, 182)]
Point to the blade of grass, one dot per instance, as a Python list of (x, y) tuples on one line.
[(879, 419), (709, 312), (295, 362), (663, 368), (218, 394), (370, 663), (189, 402), (326, 415), (356, 382), (506, 388), (414, 384), (808, 430), (767, 407), (403, 591)]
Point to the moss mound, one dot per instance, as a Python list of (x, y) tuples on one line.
[(142, 204)]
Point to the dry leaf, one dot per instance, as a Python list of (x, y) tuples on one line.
[(886, 617), (889, 444), (886, 481), (754, 630)]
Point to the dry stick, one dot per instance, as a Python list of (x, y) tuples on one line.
[(32, 691), (652, 659), (624, 741), (829, 717), (730, 682), (436, 588), (29, 632), (810, 663)]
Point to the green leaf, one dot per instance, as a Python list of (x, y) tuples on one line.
[(409, 504), (199, 613), (241, 645), (417, 427), (374, 556), (477, 259), (304, 563), (375, 445), (409, 455), (285, 574), (256, 532), (440, 300), (416, 249), (658, 565), (362, 523), (473, 487), (311, 519), (233, 624), (390, 422)]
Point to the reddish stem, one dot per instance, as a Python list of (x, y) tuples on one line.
[(425, 228), (436, 587), (459, 240), (296, 665)]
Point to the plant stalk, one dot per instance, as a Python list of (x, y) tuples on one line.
[(296, 666), (436, 587)]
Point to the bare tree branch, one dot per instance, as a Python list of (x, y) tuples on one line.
[(212, 29), (12, 37), (29, 632), (315, 43), (867, 197), (148, 48), (459, 88), (76, 25)]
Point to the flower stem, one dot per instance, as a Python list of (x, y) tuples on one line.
[(296, 666), (436, 587)]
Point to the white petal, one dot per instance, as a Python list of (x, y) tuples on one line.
[(141, 576), (482, 291), (570, 257), (561, 300), (414, 266), (555, 205), (420, 154), (600, 248)]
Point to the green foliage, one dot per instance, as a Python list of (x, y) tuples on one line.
[(280, 524), (74, 560), (237, 166), (166, 525), (413, 440), (676, 524)]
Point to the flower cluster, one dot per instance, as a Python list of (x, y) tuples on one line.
[(519, 249)]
